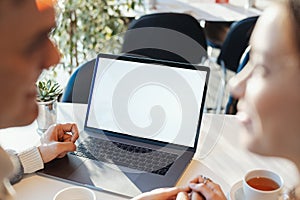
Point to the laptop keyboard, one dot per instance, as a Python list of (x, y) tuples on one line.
[(134, 157)]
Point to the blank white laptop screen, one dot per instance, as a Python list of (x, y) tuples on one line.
[(147, 100)]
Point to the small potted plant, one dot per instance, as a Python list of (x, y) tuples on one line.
[(47, 94)]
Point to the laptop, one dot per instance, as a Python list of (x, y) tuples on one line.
[(141, 127)]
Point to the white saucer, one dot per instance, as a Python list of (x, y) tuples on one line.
[(236, 192)]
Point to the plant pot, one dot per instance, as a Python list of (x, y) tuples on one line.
[(47, 114)]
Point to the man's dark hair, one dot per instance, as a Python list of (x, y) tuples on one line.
[(294, 6)]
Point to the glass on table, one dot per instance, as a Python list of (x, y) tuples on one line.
[(150, 5), (249, 4)]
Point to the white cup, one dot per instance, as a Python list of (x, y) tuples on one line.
[(256, 187), (75, 193)]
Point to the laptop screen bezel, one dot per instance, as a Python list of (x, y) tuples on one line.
[(139, 59)]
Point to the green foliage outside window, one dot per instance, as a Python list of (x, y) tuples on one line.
[(88, 27)]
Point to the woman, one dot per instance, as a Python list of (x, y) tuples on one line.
[(268, 90)]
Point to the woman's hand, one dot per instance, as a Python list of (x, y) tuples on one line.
[(205, 189), (162, 194), (58, 140)]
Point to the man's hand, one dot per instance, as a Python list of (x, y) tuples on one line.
[(58, 140)]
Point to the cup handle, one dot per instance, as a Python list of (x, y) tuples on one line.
[(285, 194)]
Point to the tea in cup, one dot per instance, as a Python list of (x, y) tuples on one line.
[(262, 185)]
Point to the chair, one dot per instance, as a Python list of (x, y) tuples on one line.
[(78, 86), (166, 36), (236, 41), (232, 103)]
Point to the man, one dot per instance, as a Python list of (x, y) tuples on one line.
[(26, 50)]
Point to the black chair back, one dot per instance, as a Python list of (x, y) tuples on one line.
[(236, 42), (167, 36), (78, 86)]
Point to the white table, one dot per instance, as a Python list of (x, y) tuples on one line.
[(205, 10), (218, 156)]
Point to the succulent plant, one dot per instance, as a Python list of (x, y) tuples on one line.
[(48, 90)]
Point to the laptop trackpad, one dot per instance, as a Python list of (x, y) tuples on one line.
[(106, 176)]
